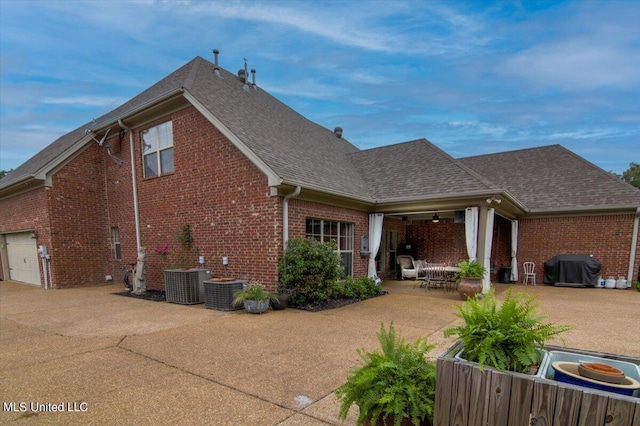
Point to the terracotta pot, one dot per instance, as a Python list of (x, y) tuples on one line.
[(469, 287)]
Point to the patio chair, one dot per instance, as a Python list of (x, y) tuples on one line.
[(421, 272), (529, 273), (407, 270), (436, 277)]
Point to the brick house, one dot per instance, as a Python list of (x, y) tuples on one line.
[(211, 149)]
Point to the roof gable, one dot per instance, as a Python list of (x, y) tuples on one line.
[(413, 170), (552, 178)]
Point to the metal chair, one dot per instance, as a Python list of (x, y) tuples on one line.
[(529, 273)]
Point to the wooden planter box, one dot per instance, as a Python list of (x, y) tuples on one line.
[(466, 396)]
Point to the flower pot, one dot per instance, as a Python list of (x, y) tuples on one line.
[(256, 306), (469, 287), (281, 303)]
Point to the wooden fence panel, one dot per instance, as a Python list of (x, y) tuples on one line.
[(593, 409), (521, 397), (620, 411), (444, 383), (460, 394), (567, 411), (479, 391), (498, 398), (544, 401)]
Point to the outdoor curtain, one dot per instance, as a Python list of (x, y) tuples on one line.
[(471, 232), (514, 250), (488, 241), (375, 235)]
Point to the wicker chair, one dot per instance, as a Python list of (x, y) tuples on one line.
[(405, 264)]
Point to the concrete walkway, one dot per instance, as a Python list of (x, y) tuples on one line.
[(116, 360)]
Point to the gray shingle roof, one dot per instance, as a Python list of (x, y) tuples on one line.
[(415, 169), (553, 178), (301, 152)]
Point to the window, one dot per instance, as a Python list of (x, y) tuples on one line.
[(340, 232), (157, 149), (115, 235)]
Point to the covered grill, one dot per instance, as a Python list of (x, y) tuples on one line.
[(575, 270)]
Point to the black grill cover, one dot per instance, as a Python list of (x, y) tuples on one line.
[(572, 269)]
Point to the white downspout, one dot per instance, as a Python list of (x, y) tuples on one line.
[(285, 215), (134, 181), (634, 245)]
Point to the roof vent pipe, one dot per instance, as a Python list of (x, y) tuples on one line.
[(338, 132), (216, 69), (253, 77)]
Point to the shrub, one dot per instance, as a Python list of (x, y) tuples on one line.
[(309, 270), (505, 337), (398, 382), (361, 288)]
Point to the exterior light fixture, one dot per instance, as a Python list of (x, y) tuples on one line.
[(34, 234), (435, 218)]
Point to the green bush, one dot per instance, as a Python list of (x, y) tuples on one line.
[(505, 337), (361, 288), (309, 271), (398, 382)]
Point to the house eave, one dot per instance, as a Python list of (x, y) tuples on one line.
[(584, 210)]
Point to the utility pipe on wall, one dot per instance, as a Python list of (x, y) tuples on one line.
[(634, 245), (134, 181), (285, 215)]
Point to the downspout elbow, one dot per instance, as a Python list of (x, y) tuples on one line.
[(285, 215)]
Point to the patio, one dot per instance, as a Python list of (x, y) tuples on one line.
[(159, 363)]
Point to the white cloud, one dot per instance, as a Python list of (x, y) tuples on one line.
[(87, 101)]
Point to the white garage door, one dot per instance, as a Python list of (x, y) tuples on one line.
[(22, 253)]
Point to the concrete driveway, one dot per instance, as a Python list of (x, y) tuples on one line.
[(108, 359)]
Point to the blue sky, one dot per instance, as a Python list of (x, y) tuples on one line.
[(473, 77)]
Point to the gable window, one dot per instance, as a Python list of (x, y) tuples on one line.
[(340, 232), (115, 235), (157, 149)]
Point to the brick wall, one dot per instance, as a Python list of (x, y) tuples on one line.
[(216, 190), (80, 249), (26, 211), (300, 210), (606, 237)]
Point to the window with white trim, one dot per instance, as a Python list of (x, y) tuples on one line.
[(340, 232), (157, 149)]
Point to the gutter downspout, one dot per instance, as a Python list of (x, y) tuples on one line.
[(285, 215), (634, 245), (134, 181)]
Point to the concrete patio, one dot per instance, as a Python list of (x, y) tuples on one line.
[(119, 360)]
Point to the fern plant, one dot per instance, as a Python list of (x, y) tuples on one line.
[(398, 382), (504, 337)]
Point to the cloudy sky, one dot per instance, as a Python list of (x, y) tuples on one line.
[(473, 77)]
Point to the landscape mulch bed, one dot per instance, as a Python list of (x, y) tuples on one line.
[(331, 304), (153, 295)]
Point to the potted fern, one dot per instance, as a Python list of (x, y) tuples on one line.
[(254, 298), (470, 275), (395, 386), (509, 337)]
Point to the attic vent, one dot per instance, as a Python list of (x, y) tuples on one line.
[(253, 77), (338, 132), (242, 74)]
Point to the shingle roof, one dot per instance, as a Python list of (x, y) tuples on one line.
[(298, 150), (301, 152), (295, 148), (415, 169), (553, 178)]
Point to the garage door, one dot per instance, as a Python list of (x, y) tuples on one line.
[(22, 253)]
